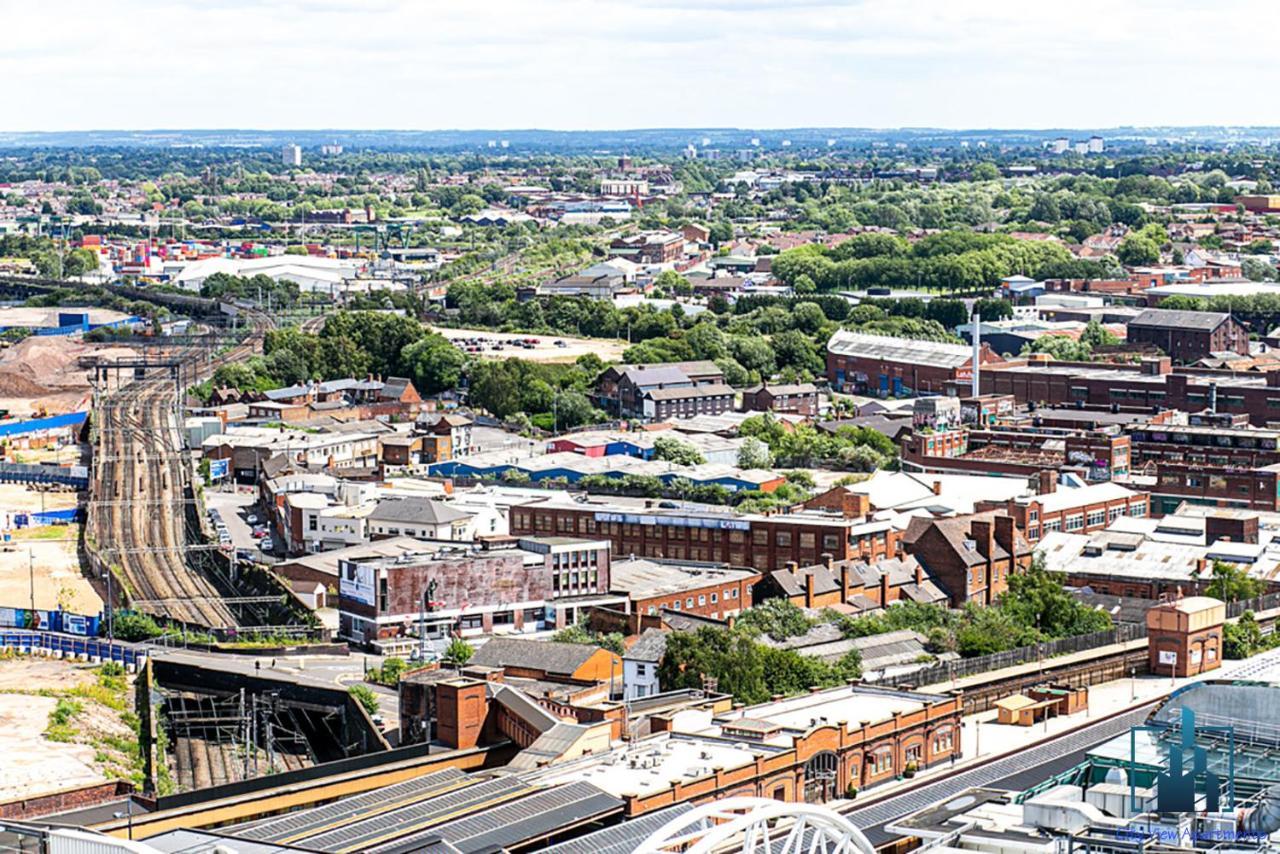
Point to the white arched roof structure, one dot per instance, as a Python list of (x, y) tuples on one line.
[(758, 826)]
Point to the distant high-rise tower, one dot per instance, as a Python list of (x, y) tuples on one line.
[(292, 155), (1096, 145), (332, 149)]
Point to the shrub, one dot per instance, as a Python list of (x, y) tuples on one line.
[(459, 651), (364, 695)]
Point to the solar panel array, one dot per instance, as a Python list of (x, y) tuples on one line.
[(520, 821), (297, 825), (365, 834), (621, 838)]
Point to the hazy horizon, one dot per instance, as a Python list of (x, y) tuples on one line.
[(591, 65)]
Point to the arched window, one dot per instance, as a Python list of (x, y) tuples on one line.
[(821, 774)]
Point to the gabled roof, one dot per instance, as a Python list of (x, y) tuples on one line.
[(1203, 321), (686, 392), (910, 351), (423, 511), (783, 388), (651, 646), (558, 659), (957, 533), (653, 375)]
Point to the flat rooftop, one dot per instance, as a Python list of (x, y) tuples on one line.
[(654, 764)]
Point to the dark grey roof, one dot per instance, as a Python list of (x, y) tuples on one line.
[(393, 388), (1204, 321), (519, 822), (285, 393), (784, 388), (561, 659), (651, 646), (620, 839), (654, 375), (688, 392), (423, 511), (316, 819), (685, 621)]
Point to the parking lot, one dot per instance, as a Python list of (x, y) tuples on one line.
[(234, 508), (535, 348)]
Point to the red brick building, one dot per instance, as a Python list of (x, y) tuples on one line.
[(1186, 336), (1152, 386), (879, 364), (459, 590), (1243, 488), (708, 590), (1081, 510), (800, 398), (859, 585), (1185, 636), (970, 557), (760, 542)]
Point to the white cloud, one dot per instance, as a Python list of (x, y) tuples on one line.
[(427, 64)]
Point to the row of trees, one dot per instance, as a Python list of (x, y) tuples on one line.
[(351, 344), (746, 662), (771, 442), (959, 261)]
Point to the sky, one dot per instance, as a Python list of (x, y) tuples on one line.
[(607, 64)]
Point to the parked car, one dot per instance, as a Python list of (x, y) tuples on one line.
[(252, 518), (259, 533), (266, 545)]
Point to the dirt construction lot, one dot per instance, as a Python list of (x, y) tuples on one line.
[(46, 559), (545, 350), (32, 763)]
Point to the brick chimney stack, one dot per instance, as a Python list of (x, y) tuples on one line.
[(808, 590), (844, 583), (1048, 482), (1004, 534), (983, 534)]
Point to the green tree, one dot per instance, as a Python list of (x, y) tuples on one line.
[(433, 363), (778, 618), (1231, 583), (804, 284), (1137, 251), (675, 451), (754, 454), (993, 308), (458, 652), (985, 171), (364, 695), (580, 634)]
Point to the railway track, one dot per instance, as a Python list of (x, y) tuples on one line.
[(137, 520)]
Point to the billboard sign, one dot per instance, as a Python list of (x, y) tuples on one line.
[(356, 582)]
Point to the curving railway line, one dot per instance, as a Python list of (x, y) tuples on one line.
[(138, 524)]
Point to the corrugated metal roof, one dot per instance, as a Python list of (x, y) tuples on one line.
[(907, 350)]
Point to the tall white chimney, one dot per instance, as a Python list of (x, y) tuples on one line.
[(977, 353)]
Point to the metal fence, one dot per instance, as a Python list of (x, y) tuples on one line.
[(27, 642), (1268, 602), (945, 671)]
